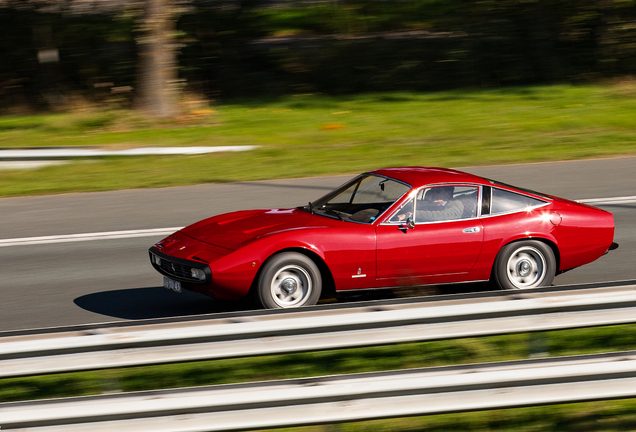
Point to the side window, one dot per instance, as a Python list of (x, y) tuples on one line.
[(504, 201), (442, 203), (405, 212)]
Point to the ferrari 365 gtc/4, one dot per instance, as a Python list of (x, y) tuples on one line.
[(386, 228)]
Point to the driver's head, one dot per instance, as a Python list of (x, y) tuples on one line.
[(442, 193)]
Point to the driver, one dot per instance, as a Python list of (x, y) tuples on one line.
[(438, 205)]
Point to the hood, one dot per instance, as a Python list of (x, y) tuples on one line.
[(232, 230)]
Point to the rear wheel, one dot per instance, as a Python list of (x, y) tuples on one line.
[(525, 264), (289, 280)]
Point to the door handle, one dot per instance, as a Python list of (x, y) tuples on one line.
[(471, 230)]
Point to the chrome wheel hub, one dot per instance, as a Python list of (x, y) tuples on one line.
[(526, 267), (291, 286)]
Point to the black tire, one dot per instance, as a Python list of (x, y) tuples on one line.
[(525, 264), (289, 280)]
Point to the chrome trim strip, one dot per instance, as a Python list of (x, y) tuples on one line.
[(355, 290), (479, 196), (479, 215)]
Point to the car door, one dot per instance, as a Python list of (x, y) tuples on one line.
[(428, 248)]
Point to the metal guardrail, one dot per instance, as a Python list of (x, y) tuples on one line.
[(332, 399), (314, 329)]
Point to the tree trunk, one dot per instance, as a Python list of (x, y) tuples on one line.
[(158, 84)]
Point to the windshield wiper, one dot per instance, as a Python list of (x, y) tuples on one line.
[(335, 213)]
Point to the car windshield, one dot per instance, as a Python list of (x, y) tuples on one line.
[(363, 199)]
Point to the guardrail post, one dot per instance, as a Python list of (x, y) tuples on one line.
[(537, 345), (110, 381)]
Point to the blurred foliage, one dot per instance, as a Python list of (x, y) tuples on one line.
[(257, 48), (96, 53)]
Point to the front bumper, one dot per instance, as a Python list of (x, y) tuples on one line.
[(178, 268)]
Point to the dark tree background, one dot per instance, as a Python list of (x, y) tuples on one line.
[(144, 53)]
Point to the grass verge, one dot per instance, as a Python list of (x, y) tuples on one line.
[(310, 135)]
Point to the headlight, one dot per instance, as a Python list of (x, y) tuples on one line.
[(156, 260), (197, 273)]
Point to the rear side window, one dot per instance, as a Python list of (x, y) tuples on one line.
[(504, 201)]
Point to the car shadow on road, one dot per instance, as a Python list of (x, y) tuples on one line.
[(155, 302), (158, 302)]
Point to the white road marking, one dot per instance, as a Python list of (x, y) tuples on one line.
[(110, 235), (68, 152), (34, 164), (69, 238), (609, 201)]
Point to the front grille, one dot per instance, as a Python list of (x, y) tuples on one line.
[(178, 270)]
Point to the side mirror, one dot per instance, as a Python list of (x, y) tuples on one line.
[(410, 223)]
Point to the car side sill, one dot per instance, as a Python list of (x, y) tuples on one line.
[(409, 286)]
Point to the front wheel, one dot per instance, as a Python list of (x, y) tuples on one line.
[(525, 264), (289, 280)]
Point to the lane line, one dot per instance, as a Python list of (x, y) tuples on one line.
[(110, 235), (69, 238), (609, 201), (140, 151)]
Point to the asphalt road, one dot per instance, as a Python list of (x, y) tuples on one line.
[(48, 285)]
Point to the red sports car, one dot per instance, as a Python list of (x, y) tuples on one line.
[(386, 228)]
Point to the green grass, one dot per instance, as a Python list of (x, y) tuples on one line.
[(311, 135), (604, 415)]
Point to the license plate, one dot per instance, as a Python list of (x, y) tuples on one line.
[(173, 285)]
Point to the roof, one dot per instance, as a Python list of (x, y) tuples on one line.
[(421, 176)]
